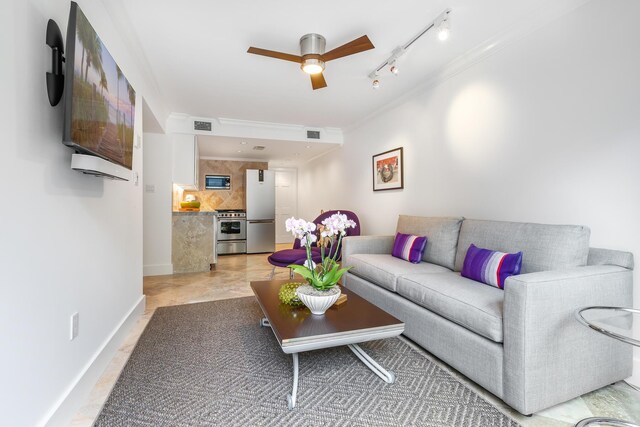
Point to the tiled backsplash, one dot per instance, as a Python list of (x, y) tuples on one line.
[(220, 199)]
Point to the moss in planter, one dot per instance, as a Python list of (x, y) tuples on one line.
[(287, 294)]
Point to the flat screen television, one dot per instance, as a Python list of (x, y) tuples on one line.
[(99, 100)]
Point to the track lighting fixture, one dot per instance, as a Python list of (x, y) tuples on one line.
[(441, 23)]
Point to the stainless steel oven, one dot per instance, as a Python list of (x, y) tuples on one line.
[(231, 232)]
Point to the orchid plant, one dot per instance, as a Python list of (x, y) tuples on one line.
[(327, 273)]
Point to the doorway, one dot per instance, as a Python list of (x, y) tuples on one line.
[(286, 201)]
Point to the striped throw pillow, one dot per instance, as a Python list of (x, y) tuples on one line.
[(490, 267), (409, 247)]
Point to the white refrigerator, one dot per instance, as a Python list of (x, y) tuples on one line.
[(260, 192)]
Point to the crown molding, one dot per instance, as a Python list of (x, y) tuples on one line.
[(233, 159), (533, 22)]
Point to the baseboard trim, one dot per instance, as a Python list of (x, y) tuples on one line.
[(74, 397), (157, 269)]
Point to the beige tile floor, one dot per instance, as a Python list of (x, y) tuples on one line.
[(231, 279)]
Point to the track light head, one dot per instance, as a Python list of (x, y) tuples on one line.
[(444, 29), (375, 84), (394, 69)]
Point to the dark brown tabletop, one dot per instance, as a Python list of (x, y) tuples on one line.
[(296, 329)]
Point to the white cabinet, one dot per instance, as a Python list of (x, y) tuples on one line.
[(185, 161)]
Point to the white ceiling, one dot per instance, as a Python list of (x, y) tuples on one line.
[(279, 153), (197, 51)]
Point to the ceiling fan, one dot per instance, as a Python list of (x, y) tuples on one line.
[(313, 57)]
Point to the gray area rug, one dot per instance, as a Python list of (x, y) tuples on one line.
[(211, 364)]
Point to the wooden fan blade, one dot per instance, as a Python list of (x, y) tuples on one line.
[(274, 54), (318, 81), (356, 46)]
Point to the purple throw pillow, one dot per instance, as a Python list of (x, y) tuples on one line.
[(490, 267), (409, 247)]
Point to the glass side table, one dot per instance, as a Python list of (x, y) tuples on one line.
[(620, 323)]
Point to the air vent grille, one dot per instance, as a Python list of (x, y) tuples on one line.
[(198, 125), (313, 134)]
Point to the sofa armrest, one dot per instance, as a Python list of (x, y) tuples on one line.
[(549, 357), (599, 256), (366, 245)]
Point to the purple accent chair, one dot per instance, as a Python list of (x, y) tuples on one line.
[(298, 254)]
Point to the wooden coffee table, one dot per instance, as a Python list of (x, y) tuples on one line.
[(297, 330)]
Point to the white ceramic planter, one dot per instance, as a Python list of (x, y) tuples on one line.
[(318, 301)]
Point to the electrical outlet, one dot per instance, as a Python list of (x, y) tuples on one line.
[(75, 326)]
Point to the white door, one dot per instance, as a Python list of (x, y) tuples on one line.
[(286, 201)]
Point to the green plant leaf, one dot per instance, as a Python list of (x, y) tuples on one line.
[(331, 275), (302, 270)]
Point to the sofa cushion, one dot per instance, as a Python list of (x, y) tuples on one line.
[(384, 270), (466, 302), (409, 247), (544, 247), (442, 236), (490, 267)]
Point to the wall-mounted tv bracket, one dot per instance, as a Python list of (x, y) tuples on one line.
[(55, 79)]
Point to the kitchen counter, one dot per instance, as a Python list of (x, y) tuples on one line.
[(194, 213), (193, 241)]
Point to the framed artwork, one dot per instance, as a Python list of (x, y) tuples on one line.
[(388, 170)]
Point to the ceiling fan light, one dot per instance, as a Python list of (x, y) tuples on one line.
[(312, 66)]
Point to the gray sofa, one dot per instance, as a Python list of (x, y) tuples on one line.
[(522, 343)]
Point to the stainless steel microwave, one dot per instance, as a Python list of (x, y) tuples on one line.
[(217, 182)]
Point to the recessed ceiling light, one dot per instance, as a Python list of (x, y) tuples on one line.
[(239, 151), (308, 146), (244, 143)]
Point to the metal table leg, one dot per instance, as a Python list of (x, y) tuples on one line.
[(291, 398), (387, 376), (600, 421)]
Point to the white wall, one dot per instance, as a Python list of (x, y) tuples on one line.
[(69, 242), (158, 164), (546, 130), (322, 184)]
